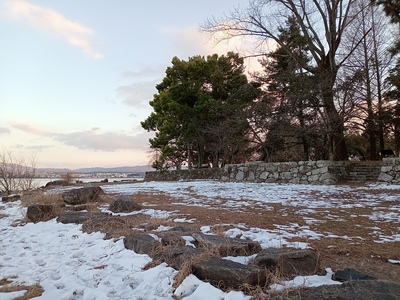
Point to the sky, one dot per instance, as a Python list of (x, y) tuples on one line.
[(76, 78)]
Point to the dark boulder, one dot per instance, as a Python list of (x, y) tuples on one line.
[(57, 183), (225, 246), (82, 195), (124, 204), (229, 274), (350, 274), (11, 198), (181, 229), (141, 243), (289, 262), (175, 257), (40, 212), (351, 290), (171, 239)]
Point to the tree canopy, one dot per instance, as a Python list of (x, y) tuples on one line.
[(328, 81), (199, 112)]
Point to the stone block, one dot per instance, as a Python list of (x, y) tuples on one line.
[(351, 274), (264, 175), (354, 290), (289, 262), (176, 257), (40, 212), (82, 195), (384, 177), (11, 198), (240, 175), (386, 169), (250, 176), (141, 243), (124, 204), (287, 175), (229, 274), (225, 246)]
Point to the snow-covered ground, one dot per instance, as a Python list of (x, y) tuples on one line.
[(70, 264)]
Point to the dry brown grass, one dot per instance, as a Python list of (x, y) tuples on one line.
[(40, 197), (32, 291), (187, 267), (360, 250)]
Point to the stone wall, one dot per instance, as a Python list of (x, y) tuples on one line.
[(314, 172), (390, 171), (175, 175)]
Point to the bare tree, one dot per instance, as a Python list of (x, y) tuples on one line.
[(68, 177), (322, 23), (17, 172), (367, 66)]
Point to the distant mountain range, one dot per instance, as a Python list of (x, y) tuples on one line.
[(134, 169)]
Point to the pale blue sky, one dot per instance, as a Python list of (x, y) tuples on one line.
[(76, 76)]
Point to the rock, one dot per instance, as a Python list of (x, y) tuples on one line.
[(229, 274), (225, 246), (175, 257), (290, 262), (350, 274), (40, 212), (181, 229), (77, 217), (78, 207), (56, 183), (124, 204), (82, 195), (141, 243), (11, 198), (171, 239), (351, 290)]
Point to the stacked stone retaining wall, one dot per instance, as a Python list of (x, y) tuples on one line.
[(305, 172), (315, 172), (174, 175), (390, 171), (312, 172)]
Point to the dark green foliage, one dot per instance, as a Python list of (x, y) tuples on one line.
[(289, 114), (199, 111), (391, 8)]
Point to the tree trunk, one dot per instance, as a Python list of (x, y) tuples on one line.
[(335, 126), (371, 131), (378, 82)]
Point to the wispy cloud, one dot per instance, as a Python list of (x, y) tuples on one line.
[(29, 128), (55, 23), (4, 130), (94, 139), (104, 141), (36, 148), (138, 94), (147, 72), (191, 41)]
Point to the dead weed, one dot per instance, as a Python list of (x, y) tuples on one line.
[(32, 291)]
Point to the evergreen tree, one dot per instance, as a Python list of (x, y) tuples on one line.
[(199, 111), (291, 98)]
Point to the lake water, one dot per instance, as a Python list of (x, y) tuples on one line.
[(38, 182)]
